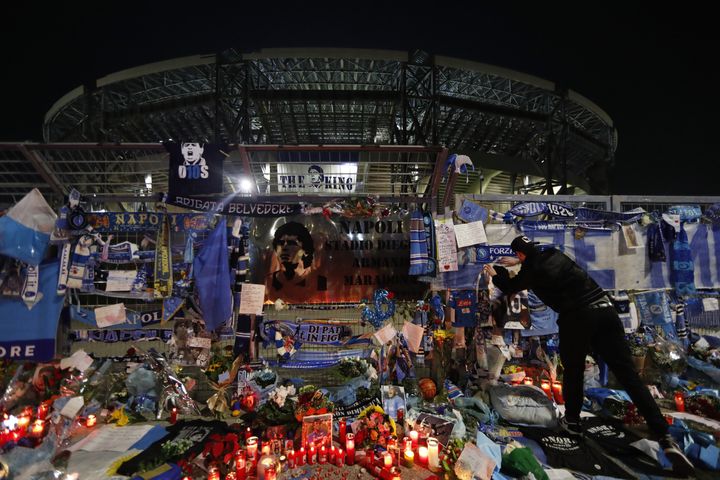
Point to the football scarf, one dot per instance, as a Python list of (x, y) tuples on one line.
[(163, 266)]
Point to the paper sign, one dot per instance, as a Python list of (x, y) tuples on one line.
[(710, 304), (120, 280), (112, 438), (414, 334), (79, 360), (468, 234), (474, 463), (446, 246), (199, 342), (72, 407), (252, 297), (110, 315), (385, 334)]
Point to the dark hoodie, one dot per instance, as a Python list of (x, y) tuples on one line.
[(558, 281)]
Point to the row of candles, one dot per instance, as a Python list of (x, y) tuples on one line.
[(15, 428), (553, 390), (265, 465)]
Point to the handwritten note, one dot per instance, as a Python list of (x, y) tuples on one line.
[(385, 334), (79, 360), (199, 342), (113, 439), (446, 246), (252, 297), (468, 234), (414, 335)]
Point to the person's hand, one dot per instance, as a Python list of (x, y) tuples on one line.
[(489, 270), (509, 261)]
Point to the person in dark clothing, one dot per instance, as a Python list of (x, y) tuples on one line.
[(588, 324)]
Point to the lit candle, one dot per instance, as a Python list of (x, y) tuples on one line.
[(91, 421), (291, 458), (231, 476), (300, 457), (265, 450), (252, 447), (266, 461), (173, 416), (322, 459), (395, 473), (312, 458), (408, 458), (340, 457), (213, 473), (342, 429), (350, 448), (387, 458), (186, 478), (240, 465), (38, 427), (545, 386), (331, 455), (248, 433), (433, 454), (23, 421), (679, 401), (422, 456), (414, 438), (43, 409), (557, 391), (270, 473), (407, 443), (528, 381)]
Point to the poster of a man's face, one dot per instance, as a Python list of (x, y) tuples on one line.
[(317, 430), (192, 153), (295, 272), (393, 399)]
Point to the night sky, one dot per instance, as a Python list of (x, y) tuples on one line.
[(652, 69)]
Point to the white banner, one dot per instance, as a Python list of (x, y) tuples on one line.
[(314, 178)]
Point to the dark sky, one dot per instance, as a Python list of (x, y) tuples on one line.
[(653, 70)]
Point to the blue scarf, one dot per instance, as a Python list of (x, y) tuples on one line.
[(419, 258), (682, 267)]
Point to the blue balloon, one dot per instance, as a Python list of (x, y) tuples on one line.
[(377, 314)]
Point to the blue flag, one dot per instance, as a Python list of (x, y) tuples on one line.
[(211, 269), (29, 334)]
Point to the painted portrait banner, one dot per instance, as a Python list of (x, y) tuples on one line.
[(313, 259)]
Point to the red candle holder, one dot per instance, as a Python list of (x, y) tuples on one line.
[(90, 421), (557, 393), (547, 388)]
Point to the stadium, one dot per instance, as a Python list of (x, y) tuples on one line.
[(524, 134)]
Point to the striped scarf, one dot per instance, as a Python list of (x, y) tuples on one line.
[(419, 259)]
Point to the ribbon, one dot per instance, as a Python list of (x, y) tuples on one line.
[(163, 265), (354, 409), (218, 401)]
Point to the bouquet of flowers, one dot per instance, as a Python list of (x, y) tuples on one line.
[(357, 367), (280, 407), (668, 356), (638, 344), (703, 405), (376, 427), (264, 378), (312, 401), (221, 361)]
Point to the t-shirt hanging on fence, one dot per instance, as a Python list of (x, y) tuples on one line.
[(195, 168), (465, 304)]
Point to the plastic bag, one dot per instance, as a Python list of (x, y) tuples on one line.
[(25, 230)]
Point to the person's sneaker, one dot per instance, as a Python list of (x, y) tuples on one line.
[(574, 429), (680, 463)]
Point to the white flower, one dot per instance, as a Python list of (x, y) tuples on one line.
[(280, 394)]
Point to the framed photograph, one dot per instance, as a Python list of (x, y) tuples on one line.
[(393, 399), (317, 430), (432, 426)]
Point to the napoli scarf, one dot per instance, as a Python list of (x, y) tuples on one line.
[(419, 259), (682, 267)]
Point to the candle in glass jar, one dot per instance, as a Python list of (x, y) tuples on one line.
[(248, 433), (557, 392), (340, 457), (407, 443), (342, 430), (265, 462), (312, 455), (528, 381), (422, 456), (265, 448), (90, 421), (43, 409), (213, 473), (545, 386), (173, 415), (350, 448), (408, 458), (23, 421), (679, 401), (38, 427), (322, 457), (387, 459), (433, 454), (270, 473), (240, 465), (414, 438), (331, 455), (252, 449), (300, 457)]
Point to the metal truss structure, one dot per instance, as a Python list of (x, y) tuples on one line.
[(511, 124)]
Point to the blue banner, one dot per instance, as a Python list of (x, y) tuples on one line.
[(109, 222), (29, 334), (114, 336)]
